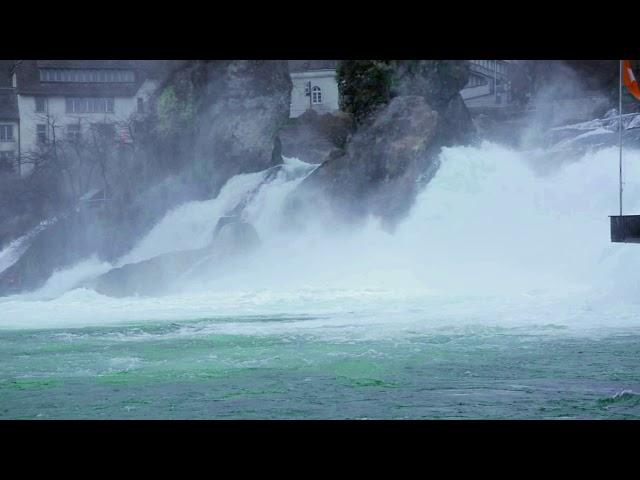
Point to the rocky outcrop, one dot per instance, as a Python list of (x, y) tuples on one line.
[(414, 109), (214, 119), (157, 275), (438, 81), (378, 172), (244, 105), (311, 137), (51, 248)]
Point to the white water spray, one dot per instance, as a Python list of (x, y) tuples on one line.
[(486, 237), (12, 252)]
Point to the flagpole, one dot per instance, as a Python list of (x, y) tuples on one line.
[(620, 133)]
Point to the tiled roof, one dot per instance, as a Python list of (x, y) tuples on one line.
[(86, 63), (8, 104), (307, 65), (5, 68), (28, 78)]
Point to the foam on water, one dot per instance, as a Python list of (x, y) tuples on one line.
[(488, 242), (67, 279)]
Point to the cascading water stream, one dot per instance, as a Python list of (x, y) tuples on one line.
[(500, 295), (12, 252), (486, 234)]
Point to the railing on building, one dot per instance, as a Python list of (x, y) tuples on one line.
[(491, 68), (496, 76)]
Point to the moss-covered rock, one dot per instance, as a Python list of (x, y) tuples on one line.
[(311, 136), (404, 111), (243, 107), (381, 169), (438, 81), (366, 85)]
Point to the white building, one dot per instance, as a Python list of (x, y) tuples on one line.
[(64, 99), (488, 84), (314, 86), (9, 128)]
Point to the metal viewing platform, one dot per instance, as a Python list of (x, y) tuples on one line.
[(625, 228)]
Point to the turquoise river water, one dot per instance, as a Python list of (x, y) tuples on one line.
[(499, 296)]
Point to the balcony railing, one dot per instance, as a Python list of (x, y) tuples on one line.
[(490, 67)]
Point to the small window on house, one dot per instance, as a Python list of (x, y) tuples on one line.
[(79, 105), (73, 132), (89, 105), (40, 104), (7, 156), (316, 95), (140, 105), (106, 131), (6, 133), (41, 133), (7, 159)]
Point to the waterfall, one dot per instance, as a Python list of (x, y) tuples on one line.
[(12, 252), (488, 228)]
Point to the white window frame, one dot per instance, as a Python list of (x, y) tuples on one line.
[(5, 129), (104, 75), (44, 104), (90, 104), (44, 139), (316, 95), (106, 131), (74, 132)]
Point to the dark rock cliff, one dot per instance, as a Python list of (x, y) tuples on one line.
[(405, 111), (213, 120), (243, 106)]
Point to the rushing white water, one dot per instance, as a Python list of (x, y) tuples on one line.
[(488, 241), (191, 225), (12, 252), (67, 279)]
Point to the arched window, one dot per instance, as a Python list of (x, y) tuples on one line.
[(316, 95)]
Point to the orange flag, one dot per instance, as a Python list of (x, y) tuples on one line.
[(629, 79)]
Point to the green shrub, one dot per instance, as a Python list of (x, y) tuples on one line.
[(363, 85), (176, 111)]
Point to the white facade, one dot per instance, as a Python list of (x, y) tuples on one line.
[(9, 140), (468, 92), (9, 127), (55, 119), (481, 89), (316, 90)]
